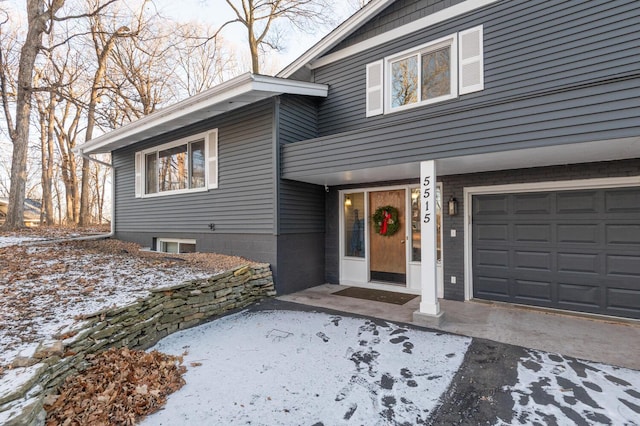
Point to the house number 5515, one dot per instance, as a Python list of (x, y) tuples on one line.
[(426, 197)]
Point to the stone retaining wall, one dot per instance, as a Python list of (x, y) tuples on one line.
[(24, 388)]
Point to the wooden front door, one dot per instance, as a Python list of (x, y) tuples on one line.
[(388, 261)]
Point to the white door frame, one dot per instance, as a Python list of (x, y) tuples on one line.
[(568, 185), (412, 268)]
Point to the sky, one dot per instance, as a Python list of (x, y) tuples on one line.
[(217, 12)]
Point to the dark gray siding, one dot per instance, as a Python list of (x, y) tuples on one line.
[(298, 118), (255, 247), (530, 47), (399, 13), (453, 248), (555, 73), (243, 202), (300, 261), (301, 208), (300, 205)]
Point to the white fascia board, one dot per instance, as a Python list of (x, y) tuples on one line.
[(420, 24), (336, 36), (244, 84), (291, 87)]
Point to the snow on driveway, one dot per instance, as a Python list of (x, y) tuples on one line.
[(552, 389), (291, 368)]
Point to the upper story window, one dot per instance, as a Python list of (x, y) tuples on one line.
[(432, 72), (421, 76), (189, 164)]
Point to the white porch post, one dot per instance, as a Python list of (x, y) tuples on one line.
[(429, 313)]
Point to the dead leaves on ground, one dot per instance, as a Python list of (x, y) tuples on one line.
[(43, 286), (120, 387)]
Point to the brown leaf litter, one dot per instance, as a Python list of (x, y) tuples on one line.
[(119, 388)]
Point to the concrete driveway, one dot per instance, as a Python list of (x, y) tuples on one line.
[(283, 363)]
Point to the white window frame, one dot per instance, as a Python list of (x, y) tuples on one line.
[(450, 41), (211, 158), (179, 241)]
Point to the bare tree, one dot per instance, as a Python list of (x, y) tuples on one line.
[(41, 16), (39, 21), (200, 66), (46, 111), (104, 41), (259, 18), (356, 5)]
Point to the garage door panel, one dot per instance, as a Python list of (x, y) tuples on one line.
[(534, 203), (532, 233), (622, 201), (491, 205), (492, 232), (494, 288), (582, 255), (623, 234), (578, 233), (493, 258), (581, 263), (577, 202), (623, 266), (579, 296), (624, 302), (526, 291), (526, 260)]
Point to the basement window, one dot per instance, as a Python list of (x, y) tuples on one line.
[(172, 245)]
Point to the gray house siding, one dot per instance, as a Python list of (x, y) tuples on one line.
[(530, 47), (399, 13), (555, 73), (243, 202), (454, 185), (300, 205), (242, 208)]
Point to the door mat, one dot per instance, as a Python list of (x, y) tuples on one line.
[(376, 295)]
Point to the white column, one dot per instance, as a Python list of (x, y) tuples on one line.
[(429, 305)]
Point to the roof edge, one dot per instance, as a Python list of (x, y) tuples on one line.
[(334, 37), (244, 83)]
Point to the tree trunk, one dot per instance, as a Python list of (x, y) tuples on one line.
[(47, 163), (84, 216), (37, 19), (253, 49)]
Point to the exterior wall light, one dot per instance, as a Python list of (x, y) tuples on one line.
[(453, 206), (347, 201)]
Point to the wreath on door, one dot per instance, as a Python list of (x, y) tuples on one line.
[(386, 221)]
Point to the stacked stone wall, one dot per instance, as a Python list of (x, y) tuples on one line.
[(137, 326)]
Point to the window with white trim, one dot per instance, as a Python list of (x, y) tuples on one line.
[(185, 165), (173, 245), (433, 72)]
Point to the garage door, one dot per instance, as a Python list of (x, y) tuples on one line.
[(571, 250)]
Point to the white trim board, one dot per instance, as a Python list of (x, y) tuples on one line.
[(237, 92), (565, 185), (422, 23)]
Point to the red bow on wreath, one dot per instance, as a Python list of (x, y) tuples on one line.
[(386, 217)]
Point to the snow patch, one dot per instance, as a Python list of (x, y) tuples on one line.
[(290, 368), (552, 389)]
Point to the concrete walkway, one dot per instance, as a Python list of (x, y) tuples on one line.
[(600, 340)]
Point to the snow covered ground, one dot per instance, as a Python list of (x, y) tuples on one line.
[(46, 287), (552, 389), (292, 368), (6, 241)]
